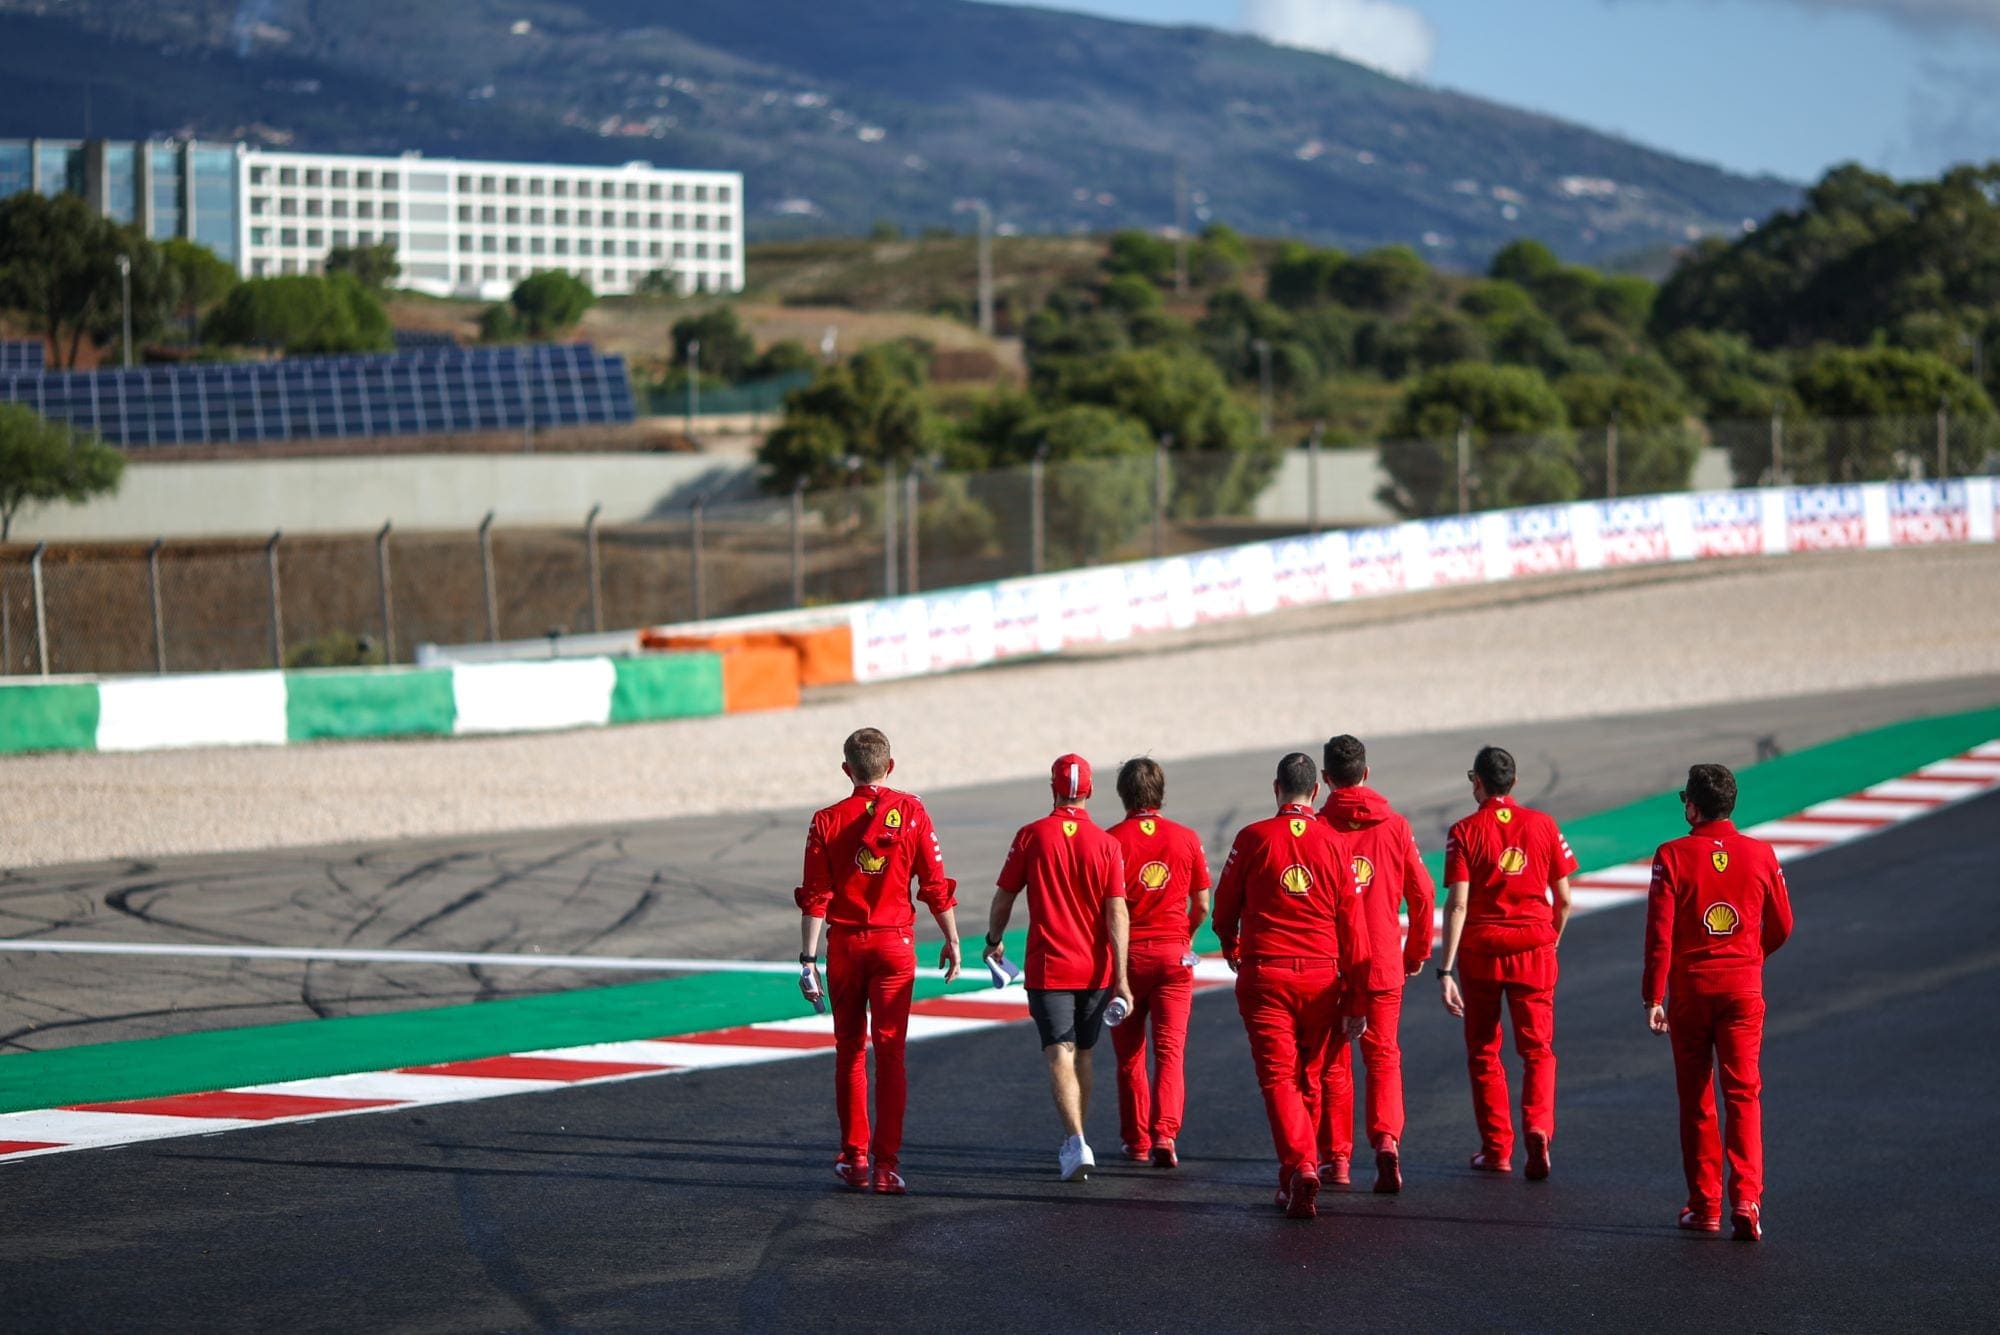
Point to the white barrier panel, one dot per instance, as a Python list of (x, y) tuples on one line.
[(1982, 501), (205, 709), (533, 697)]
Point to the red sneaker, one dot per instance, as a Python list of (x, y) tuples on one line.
[(1538, 1156), (1388, 1170), (854, 1174), (888, 1182), (1334, 1172), (1164, 1156), (1137, 1153), (1746, 1223), (1491, 1163), (1305, 1190), (1698, 1221)]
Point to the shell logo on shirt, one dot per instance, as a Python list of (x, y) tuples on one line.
[(1149, 827), (872, 863), (1364, 871), (1154, 875), (1513, 860), (1298, 828), (1069, 829), (1296, 880), (1721, 861), (894, 820), (1720, 919), (1504, 815)]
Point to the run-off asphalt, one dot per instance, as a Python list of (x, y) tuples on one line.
[(705, 1201)]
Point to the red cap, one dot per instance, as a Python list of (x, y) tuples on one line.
[(1070, 777)]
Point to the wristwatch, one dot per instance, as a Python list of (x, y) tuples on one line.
[(808, 959), (1447, 973), (992, 941)]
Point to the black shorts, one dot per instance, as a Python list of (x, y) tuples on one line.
[(1069, 1015)]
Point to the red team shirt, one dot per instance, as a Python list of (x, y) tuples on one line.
[(1164, 865), (1509, 856), (861, 854), (1069, 867), (1287, 892), (1387, 866), (1718, 905)]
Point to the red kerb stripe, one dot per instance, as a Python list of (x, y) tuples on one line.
[(747, 1037), (535, 1068), (23, 1146), (951, 1009), (234, 1104)]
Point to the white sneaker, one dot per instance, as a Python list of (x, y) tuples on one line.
[(1075, 1160)]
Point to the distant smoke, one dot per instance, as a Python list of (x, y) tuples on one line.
[(1393, 38), (250, 16)]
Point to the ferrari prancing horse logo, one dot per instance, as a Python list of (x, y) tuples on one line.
[(894, 820), (1069, 829), (1298, 828), (1149, 827), (1503, 815), (1721, 861)]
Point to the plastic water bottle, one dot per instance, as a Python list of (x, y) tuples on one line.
[(1115, 1013), (809, 987)]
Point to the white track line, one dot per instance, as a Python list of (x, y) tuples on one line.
[(616, 963)]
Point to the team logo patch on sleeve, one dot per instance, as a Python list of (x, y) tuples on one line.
[(1513, 860), (1720, 859), (1364, 871), (1504, 815), (872, 863), (1069, 829), (1720, 919), (1154, 875), (894, 820), (1296, 880), (1149, 827), (1299, 827)]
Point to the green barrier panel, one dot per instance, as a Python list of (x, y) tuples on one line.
[(48, 718), (373, 702), (661, 686)]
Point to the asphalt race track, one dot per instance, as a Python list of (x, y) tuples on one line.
[(705, 1202), (720, 887)]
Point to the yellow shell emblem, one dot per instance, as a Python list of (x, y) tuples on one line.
[(1513, 860), (1153, 875), (1721, 860), (1069, 829), (893, 821), (872, 863), (1298, 827), (1149, 827), (1364, 871), (1296, 880), (1504, 815), (1720, 919)]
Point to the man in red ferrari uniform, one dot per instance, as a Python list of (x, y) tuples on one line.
[(1292, 928), (1390, 874), (1717, 908), (1074, 876), (1507, 870), (1166, 897), (861, 855)]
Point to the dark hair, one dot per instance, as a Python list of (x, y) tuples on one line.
[(1346, 761), (1712, 790), (1495, 769), (1297, 775), (1142, 784), (866, 751)]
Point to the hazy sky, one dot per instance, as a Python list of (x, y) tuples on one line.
[(1786, 86)]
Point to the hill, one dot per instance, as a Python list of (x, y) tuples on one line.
[(845, 111)]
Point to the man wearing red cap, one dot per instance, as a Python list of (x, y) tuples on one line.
[(1292, 928), (1506, 871), (1390, 875), (1074, 876), (1717, 908), (1166, 897), (861, 854)]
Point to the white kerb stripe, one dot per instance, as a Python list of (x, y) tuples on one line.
[(1809, 831), (943, 1026), (726, 1054), (399, 1087), (1991, 748), (65, 1127), (525, 697), (1963, 768), (1631, 873), (1936, 790), (208, 709), (1880, 811), (637, 1052)]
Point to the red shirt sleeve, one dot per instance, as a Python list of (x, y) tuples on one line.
[(1659, 932), (1198, 863), (1229, 898), (1014, 871), (1562, 862), (1777, 910), (1455, 868), (1356, 951), (1420, 900), (815, 889), (937, 890), (1113, 858)]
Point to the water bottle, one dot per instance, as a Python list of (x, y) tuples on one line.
[(1002, 970), (809, 987), (1115, 1013)]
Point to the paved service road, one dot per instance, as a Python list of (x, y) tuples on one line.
[(720, 887), (704, 1202)]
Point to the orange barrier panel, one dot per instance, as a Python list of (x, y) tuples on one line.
[(759, 679), (825, 655)]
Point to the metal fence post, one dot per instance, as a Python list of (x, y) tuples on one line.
[(1943, 439), (382, 593), (1037, 521), (1611, 458), (694, 541), (1312, 476), (486, 576), (910, 530), (1778, 443), (594, 571), (799, 543), (41, 606), (277, 602), (1464, 464), (1160, 447), (153, 594), (889, 531)]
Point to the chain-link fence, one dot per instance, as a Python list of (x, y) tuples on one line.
[(179, 606)]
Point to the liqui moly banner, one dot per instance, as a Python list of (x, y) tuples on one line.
[(1819, 519), (1456, 548), (1375, 562), (1728, 523), (1632, 533), (1922, 514), (1540, 541)]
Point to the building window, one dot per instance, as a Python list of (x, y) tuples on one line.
[(390, 180), (631, 220), (465, 273), (536, 185), (430, 183), (513, 185), (655, 249), (288, 176), (585, 246), (607, 218), (513, 245), (560, 189), (488, 184), (390, 209), (722, 222), (631, 190), (537, 246), (701, 250), (513, 217), (680, 250), (465, 188), (340, 236), (259, 205), (364, 180), (655, 221), (288, 207), (610, 277), (489, 214), (260, 236), (562, 217), (632, 250), (364, 208), (289, 268), (260, 176), (537, 217), (315, 209), (701, 222), (364, 238), (489, 272), (725, 251), (513, 272), (680, 192), (338, 208), (464, 243), (489, 245), (260, 268), (465, 213), (562, 245), (701, 282), (583, 190), (315, 237), (288, 236), (701, 194), (430, 212), (653, 191), (314, 177), (722, 194)]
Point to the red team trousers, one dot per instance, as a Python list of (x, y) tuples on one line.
[(1526, 982), (870, 973), (1162, 992), (1289, 1009), (1383, 1059), (1725, 1034)]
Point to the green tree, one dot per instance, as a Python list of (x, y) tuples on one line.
[(1178, 394), (301, 314), (727, 349), (1142, 255), (1098, 483), (1521, 453), (1219, 254), (854, 422), (201, 278), (42, 462), (1657, 448), (549, 302), (785, 357), (1524, 263), (1301, 276), (1381, 280), (1129, 294), (59, 266), (374, 267), (1873, 414)]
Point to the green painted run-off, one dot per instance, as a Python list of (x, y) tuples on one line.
[(220, 1059)]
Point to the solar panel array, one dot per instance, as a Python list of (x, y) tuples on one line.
[(304, 398), (22, 354)]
